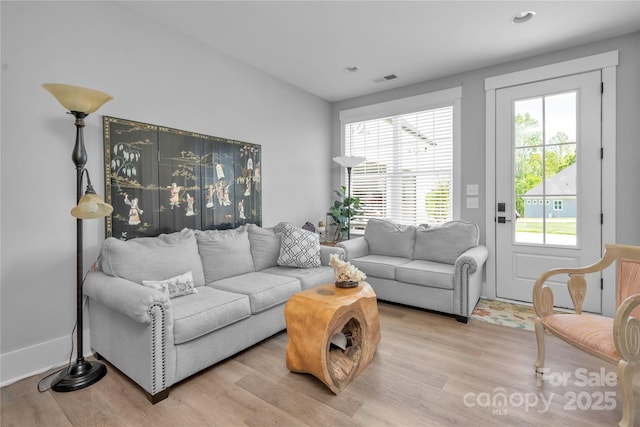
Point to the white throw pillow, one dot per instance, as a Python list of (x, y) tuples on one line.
[(175, 286), (299, 248)]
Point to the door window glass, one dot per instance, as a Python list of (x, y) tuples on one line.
[(545, 154)]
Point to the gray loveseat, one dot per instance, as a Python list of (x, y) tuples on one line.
[(437, 268), (163, 308)]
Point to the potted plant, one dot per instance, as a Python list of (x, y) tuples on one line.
[(342, 211)]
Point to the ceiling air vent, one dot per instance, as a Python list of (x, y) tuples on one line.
[(385, 78)]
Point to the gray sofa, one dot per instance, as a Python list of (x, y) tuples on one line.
[(437, 268), (163, 308)]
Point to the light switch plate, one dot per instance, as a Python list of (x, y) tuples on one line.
[(472, 189), (472, 203)]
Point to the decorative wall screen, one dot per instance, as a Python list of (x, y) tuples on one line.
[(161, 180)]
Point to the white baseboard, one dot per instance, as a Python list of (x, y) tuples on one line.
[(39, 358)]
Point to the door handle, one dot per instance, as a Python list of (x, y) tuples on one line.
[(502, 220)]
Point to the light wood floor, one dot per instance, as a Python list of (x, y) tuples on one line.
[(429, 370)]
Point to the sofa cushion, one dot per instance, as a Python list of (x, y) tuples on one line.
[(225, 253), (175, 286), (446, 242), (299, 248), (265, 246), (264, 290), (308, 277), (210, 309), (381, 266), (385, 237), (426, 273), (153, 258)]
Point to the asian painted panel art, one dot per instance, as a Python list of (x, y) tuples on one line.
[(161, 180)]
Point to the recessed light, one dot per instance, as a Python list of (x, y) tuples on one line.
[(351, 69), (523, 17)]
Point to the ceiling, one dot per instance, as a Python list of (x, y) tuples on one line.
[(309, 43)]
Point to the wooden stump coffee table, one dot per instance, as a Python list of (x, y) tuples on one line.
[(316, 316)]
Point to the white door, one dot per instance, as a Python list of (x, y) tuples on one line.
[(548, 185)]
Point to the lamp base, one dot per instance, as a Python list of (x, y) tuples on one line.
[(80, 375)]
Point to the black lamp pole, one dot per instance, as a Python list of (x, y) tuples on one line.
[(82, 373)]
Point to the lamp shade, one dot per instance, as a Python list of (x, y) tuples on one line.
[(76, 98), (91, 206), (349, 161)]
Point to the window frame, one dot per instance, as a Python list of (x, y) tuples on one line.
[(438, 99)]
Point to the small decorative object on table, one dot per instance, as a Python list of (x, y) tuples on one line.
[(347, 276), (321, 229), (309, 227)]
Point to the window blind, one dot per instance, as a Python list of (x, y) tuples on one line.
[(408, 172)]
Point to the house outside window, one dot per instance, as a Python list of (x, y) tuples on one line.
[(409, 175), (560, 201)]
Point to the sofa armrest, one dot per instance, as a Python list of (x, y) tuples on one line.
[(474, 258), (123, 296), (354, 248), (626, 329), (132, 328), (327, 251), (467, 280)]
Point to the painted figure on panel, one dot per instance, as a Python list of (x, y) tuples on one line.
[(249, 176), (256, 174), (225, 196), (209, 196), (222, 192), (241, 210), (220, 171), (190, 200), (134, 210), (174, 199)]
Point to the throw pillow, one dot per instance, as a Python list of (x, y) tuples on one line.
[(153, 258), (175, 286), (225, 253), (388, 238), (265, 246), (299, 248), (445, 243)]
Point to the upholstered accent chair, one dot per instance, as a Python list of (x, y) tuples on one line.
[(615, 340)]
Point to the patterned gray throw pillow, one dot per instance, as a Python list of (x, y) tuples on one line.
[(299, 248)]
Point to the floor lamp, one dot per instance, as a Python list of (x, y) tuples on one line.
[(349, 162), (80, 102)]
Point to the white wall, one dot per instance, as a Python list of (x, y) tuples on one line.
[(473, 125), (156, 76)]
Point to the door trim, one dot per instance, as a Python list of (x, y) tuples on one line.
[(606, 63)]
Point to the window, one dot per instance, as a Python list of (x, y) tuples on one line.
[(409, 172), (558, 205)]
